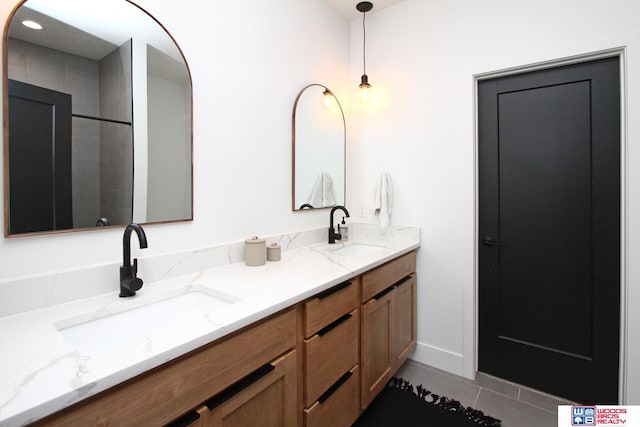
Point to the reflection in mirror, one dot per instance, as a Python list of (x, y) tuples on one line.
[(319, 139), (97, 118)]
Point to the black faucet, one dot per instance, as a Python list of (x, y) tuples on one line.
[(129, 283), (103, 222), (333, 236)]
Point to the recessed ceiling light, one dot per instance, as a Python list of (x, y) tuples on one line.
[(32, 24)]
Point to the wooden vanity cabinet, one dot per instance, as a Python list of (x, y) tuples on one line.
[(388, 329), (317, 364), (331, 354)]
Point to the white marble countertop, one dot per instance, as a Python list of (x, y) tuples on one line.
[(43, 372)]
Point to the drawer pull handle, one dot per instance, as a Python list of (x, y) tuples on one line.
[(327, 394), (402, 281), (383, 293), (184, 420), (331, 291), (238, 386), (334, 324)]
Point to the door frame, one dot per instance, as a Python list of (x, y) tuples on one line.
[(471, 323)]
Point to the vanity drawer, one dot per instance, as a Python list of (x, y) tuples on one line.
[(387, 274), (329, 354), (329, 305), (339, 406)]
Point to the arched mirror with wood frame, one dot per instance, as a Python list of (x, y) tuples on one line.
[(98, 118), (319, 149)]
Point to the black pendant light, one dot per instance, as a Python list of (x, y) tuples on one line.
[(364, 7)]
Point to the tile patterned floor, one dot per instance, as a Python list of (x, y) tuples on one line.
[(515, 405)]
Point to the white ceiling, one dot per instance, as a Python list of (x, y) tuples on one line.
[(347, 8), (88, 20), (82, 28)]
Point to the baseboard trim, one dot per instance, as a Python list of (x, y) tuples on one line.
[(439, 358)]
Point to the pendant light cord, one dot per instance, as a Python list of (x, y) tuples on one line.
[(364, 44)]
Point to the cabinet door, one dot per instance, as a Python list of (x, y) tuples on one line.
[(377, 344), (270, 401), (404, 324)]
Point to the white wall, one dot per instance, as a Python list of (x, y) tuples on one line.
[(421, 59), (248, 62), (169, 184)]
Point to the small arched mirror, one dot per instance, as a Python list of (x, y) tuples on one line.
[(98, 124), (319, 147)]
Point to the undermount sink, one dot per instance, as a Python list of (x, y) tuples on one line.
[(145, 321), (357, 249)]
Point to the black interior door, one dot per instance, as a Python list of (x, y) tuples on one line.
[(549, 223), (39, 159)]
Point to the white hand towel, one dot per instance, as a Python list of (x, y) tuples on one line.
[(383, 202), (322, 194)]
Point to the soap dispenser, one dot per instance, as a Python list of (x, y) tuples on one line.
[(343, 229)]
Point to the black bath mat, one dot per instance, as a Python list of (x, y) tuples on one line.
[(401, 404)]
